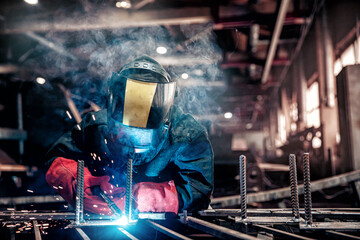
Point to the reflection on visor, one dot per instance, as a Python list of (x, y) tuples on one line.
[(140, 139)]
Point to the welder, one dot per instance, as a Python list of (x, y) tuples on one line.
[(171, 153)]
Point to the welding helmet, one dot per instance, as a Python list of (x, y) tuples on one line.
[(141, 96)]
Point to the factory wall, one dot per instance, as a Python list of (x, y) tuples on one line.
[(333, 30)]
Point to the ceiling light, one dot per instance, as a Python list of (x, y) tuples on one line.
[(40, 80), (228, 115), (198, 72), (316, 142), (184, 76), (31, 2), (123, 4), (161, 50)]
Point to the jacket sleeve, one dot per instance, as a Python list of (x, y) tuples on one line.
[(67, 146), (195, 163)]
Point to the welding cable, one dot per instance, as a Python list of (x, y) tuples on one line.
[(111, 204)]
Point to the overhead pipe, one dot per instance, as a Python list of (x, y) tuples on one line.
[(57, 48), (274, 40)]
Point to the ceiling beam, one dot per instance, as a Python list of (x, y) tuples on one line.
[(108, 19), (8, 68)]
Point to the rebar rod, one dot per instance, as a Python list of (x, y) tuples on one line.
[(128, 201), (307, 189), (243, 203), (79, 214), (294, 187)]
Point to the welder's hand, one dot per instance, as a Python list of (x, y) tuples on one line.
[(62, 176), (156, 197)]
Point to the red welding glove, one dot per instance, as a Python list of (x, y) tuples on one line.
[(62, 177), (156, 197)]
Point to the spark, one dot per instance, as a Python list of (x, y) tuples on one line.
[(61, 187), (30, 191), (105, 140), (69, 115), (11, 209), (95, 205), (55, 187), (78, 126), (93, 116)]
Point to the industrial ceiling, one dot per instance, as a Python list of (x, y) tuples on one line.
[(227, 56)]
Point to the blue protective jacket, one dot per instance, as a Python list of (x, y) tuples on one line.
[(185, 156)]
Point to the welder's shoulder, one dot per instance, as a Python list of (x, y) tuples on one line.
[(94, 119), (185, 128)]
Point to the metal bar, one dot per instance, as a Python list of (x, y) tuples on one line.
[(307, 189), (109, 18), (357, 188), (279, 232), (20, 123), (25, 215), (166, 231), (340, 226), (126, 233), (340, 235), (242, 166), (75, 112), (274, 40), (12, 134), (285, 193), (56, 47), (30, 200), (317, 213), (8, 68), (79, 217), (15, 168), (82, 234), (293, 186), (128, 200), (248, 23), (141, 4), (269, 220), (36, 230), (215, 230)]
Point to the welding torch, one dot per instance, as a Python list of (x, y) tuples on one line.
[(111, 204)]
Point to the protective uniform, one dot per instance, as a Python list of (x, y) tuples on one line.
[(172, 156)]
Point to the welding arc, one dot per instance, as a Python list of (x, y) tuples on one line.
[(111, 204)]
